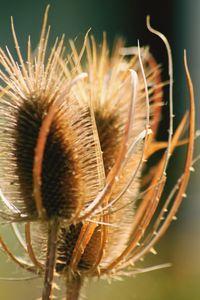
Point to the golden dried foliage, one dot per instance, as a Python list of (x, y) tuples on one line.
[(75, 134)]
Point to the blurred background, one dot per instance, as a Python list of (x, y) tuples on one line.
[(179, 21)]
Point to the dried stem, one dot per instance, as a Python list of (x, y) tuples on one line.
[(50, 260), (74, 284)]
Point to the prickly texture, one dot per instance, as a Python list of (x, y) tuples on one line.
[(72, 151), (71, 176), (67, 241), (82, 146), (57, 186), (110, 90), (88, 259)]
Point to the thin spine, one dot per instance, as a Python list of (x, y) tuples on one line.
[(41, 64), (52, 64), (14, 73), (170, 73), (18, 278), (77, 68), (38, 64), (30, 61), (24, 70), (30, 248), (15, 259), (102, 59), (78, 57), (19, 236)]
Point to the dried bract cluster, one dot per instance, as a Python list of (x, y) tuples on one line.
[(75, 134)]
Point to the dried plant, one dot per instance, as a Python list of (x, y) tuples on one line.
[(75, 134)]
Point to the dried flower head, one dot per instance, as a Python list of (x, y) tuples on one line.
[(75, 134)]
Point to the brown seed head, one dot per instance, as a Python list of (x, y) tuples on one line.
[(74, 137)]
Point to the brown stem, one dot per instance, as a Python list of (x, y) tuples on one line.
[(50, 260), (74, 284)]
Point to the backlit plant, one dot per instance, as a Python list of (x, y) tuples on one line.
[(76, 132)]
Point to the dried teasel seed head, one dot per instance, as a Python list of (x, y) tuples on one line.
[(45, 169), (74, 140)]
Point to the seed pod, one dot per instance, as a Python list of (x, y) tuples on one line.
[(49, 155)]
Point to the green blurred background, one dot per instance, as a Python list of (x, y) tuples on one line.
[(180, 22)]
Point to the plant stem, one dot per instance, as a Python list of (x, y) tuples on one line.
[(50, 259), (74, 284)]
